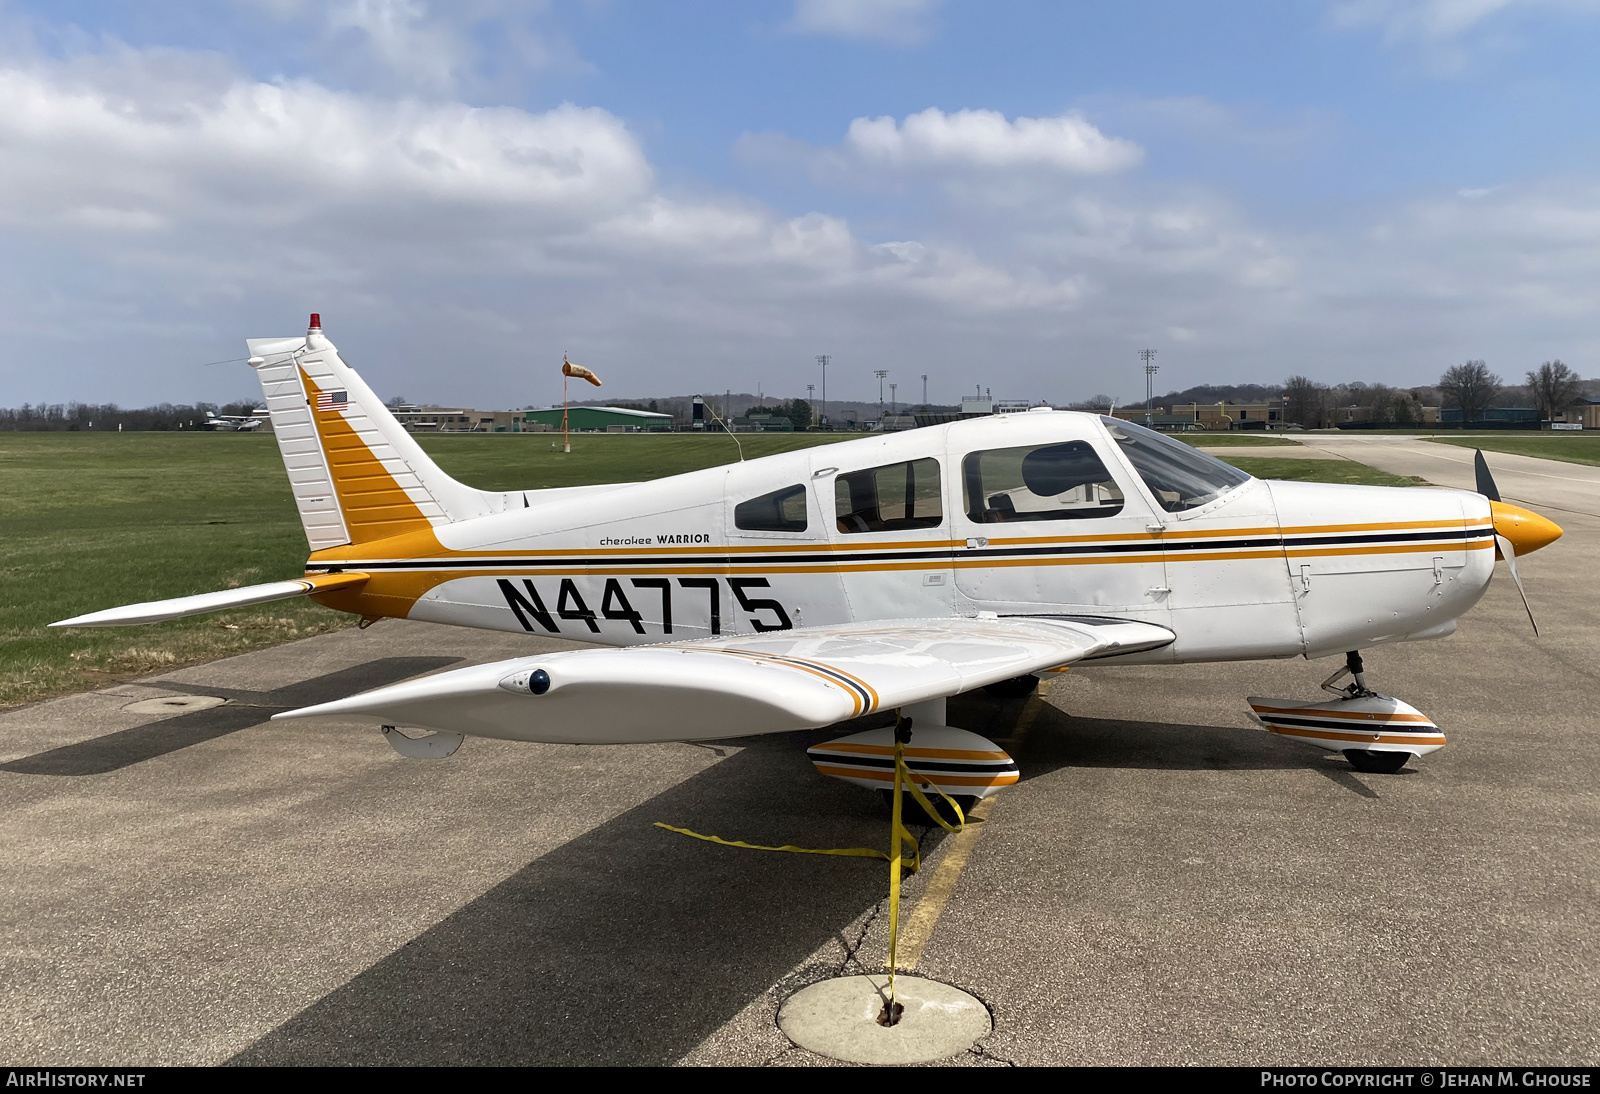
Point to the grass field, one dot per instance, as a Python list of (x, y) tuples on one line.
[(93, 520), (1568, 447), (1234, 440), (1320, 471)]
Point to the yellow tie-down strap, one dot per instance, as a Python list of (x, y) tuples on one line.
[(910, 783), (899, 838)]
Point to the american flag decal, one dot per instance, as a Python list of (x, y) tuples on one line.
[(332, 400)]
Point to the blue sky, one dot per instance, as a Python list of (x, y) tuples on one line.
[(697, 196)]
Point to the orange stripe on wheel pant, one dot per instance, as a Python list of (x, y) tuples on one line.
[(1349, 715)]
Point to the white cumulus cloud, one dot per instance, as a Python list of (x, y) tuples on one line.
[(157, 206), (899, 22), (1428, 20), (1448, 36), (987, 139), (247, 149)]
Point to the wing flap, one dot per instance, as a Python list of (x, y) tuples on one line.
[(769, 683), (908, 662), (158, 611)]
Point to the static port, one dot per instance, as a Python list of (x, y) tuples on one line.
[(539, 682)]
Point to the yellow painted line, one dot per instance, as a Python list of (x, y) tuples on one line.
[(919, 927), (942, 886)]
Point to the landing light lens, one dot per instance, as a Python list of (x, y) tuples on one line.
[(539, 682)]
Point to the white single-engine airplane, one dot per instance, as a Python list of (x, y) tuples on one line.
[(232, 423), (800, 590)]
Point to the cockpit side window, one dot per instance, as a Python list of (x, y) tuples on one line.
[(780, 511), (892, 498), (1179, 475), (1065, 481)]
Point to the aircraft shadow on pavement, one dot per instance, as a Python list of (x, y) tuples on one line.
[(114, 751), (632, 945), (627, 945), (1060, 740)]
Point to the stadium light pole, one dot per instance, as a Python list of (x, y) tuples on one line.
[(924, 391), (823, 359), (880, 373), (894, 400), (1150, 370)]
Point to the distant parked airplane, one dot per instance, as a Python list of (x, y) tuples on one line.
[(233, 423)]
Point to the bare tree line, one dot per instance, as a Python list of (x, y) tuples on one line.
[(110, 418), (1470, 387)]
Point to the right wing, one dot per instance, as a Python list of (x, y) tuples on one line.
[(732, 687)]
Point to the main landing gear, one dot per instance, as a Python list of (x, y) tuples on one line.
[(1376, 733), (1018, 687)]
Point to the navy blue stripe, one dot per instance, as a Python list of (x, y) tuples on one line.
[(797, 662), (1349, 726), (655, 562)]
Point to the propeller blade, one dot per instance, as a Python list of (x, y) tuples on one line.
[(1486, 485), (1509, 553)]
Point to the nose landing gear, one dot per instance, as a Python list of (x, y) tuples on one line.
[(1376, 733)]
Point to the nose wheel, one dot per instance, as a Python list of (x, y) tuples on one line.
[(1376, 763), (1365, 760), (1378, 734)]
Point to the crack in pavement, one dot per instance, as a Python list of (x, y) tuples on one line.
[(851, 950)]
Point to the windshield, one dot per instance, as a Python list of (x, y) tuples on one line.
[(1180, 476)]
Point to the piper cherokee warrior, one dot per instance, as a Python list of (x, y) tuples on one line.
[(801, 590)]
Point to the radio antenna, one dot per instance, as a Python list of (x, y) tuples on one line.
[(715, 417)]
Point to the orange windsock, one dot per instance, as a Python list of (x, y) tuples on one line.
[(570, 369)]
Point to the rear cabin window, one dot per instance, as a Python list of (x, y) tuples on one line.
[(1179, 475), (889, 499), (1065, 481), (780, 511)]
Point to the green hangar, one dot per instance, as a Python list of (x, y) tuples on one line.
[(607, 419)]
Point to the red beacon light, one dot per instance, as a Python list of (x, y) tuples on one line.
[(316, 320)]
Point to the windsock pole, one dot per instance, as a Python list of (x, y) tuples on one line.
[(566, 439)]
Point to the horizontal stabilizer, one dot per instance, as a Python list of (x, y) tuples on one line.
[(158, 611), (731, 687)]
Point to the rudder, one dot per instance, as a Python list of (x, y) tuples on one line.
[(357, 475)]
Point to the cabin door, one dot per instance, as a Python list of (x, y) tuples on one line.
[(890, 535), (1055, 526)]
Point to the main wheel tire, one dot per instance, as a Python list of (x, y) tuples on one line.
[(912, 813), (1018, 687), (1376, 763)]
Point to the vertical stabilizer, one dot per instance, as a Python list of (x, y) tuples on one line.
[(357, 475)]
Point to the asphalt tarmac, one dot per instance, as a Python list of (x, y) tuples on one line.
[(1168, 883)]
